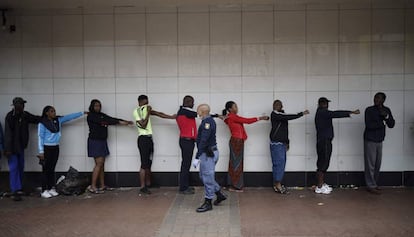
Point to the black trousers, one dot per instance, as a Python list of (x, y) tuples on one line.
[(187, 149), (324, 151), (146, 149), (48, 172)]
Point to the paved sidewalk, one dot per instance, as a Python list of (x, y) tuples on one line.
[(183, 221)]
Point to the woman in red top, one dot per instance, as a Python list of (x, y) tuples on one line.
[(238, 136)]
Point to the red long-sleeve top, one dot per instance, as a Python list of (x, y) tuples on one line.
[(236, 127)]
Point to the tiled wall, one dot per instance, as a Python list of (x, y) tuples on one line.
[(296, 53)]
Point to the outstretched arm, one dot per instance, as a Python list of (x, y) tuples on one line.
[(163, 115)]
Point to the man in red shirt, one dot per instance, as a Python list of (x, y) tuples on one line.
[(188, 133)]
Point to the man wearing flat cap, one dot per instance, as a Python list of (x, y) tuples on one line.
[(324, 136), (16, 138)]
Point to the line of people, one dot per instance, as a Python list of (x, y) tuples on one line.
[(16, 137)]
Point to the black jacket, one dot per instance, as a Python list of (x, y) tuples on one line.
[(16, 130), (374, 123), (280, 132), (323, 122), (98, 125)]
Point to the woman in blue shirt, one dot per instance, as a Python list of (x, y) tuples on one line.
[(49, 132)]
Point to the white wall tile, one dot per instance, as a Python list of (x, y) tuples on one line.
[(393, 144), (295, 163), (290, 83), (67, 30), (166, 140), (290, 59), (131, 85), (36, 31), (37, 62), (408, 108), (290, 26), (130, 29), (409, 81), (225, 60), (387, 82), (355, 25), (257, 60), (257, 84), (256, 104), (98, 30), (322, 59), (218, 101), (67, 62), (193, 28), (225, 84), (387, 57), (130, 61), (99, 61), (297, 140), (99, 85), (194, 84), (225, 28), (70, 146), (68, 85), (162, 61), (125, 105), (11, 86), (409, 138), (355, 58), (194, 60), (129, 163), (354, 100), (409, 57), (257, 27), (161, 28), (388, 25), (166, 103), (350, 163), (163, 84), (354, 82), (322, 26), (10, 62), (77, 162), (322, 83), (37, 86), (127, 141)]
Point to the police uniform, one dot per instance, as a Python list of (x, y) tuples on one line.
[(208, 155)]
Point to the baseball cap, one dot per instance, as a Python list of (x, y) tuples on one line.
[(18, 100), (323, 100)]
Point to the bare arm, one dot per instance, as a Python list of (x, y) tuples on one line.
[(163, 115)]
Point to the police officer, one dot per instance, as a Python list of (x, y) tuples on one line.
[(207, 155)]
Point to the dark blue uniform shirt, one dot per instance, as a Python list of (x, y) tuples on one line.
[(206, 137)]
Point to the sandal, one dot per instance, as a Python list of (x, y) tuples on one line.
[(282, 190), (106, 188), (237, 190), (95, 191)]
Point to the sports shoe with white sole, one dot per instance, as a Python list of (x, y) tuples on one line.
[(322, 190), (46, 194), (53, 192), (328, 187)]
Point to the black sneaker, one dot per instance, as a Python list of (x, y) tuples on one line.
[(205, 207), (145, 190), (220, 197)]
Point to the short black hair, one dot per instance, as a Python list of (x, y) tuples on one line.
[(142, 97), (382, 94)]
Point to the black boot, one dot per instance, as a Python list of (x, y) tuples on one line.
[(206, 206), (220, 197)]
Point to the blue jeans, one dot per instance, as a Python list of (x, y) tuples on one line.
[(207, 171), (278, 153), (16, 169)]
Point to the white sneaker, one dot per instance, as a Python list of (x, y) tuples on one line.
[(45, 194), (322, 190), (53, 192), (328, 187)]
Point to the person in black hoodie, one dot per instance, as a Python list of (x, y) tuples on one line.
[(98, 123), (376, 117), (16, 139), (279, 143)]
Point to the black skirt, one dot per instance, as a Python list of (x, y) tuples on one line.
[(97, 148)]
